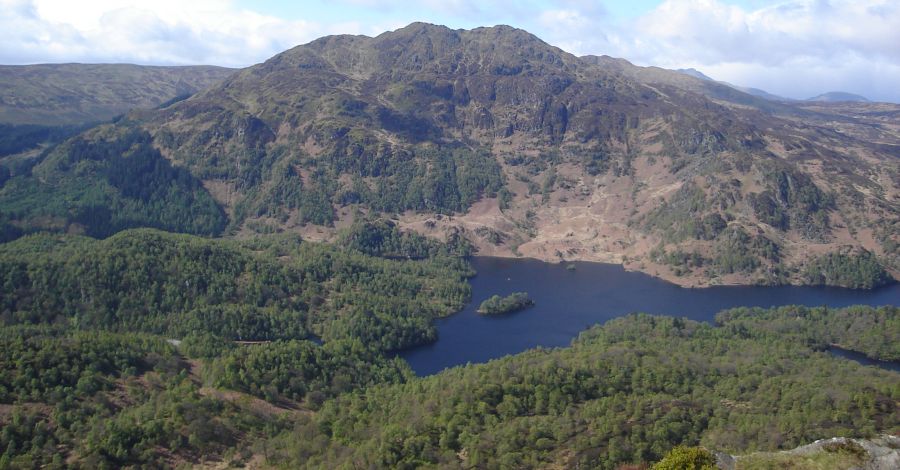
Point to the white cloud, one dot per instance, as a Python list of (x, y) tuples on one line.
[(158, 31), (709, 31), (797, 48)]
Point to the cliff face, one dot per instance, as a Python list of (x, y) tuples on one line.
[(539, 153)]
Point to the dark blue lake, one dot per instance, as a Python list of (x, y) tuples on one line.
[(568, 301)]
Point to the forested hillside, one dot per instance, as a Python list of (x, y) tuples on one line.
[(89, 377), (623, 393), (256, 290), (106, 180)]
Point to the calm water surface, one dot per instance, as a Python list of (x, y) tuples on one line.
[(862, 359), (568, 301)]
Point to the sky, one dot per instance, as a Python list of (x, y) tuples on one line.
[(792, 48)]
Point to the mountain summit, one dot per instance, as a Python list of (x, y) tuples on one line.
[(494, 135)]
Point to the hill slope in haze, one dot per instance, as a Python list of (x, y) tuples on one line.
[(527, 150), (42, 105), (833, 96), (66, 94), (749, 90)]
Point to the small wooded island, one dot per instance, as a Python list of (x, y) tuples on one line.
[(497, 305)]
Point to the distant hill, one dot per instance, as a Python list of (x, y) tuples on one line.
[(761, 93), (749, 90), (836, 96), (832, 96), (695, 73), (69, 94)]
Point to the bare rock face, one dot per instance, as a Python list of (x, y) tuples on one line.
[(535, 152)]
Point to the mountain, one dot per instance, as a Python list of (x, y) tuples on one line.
[(494, 135), (761, 93), (66, 94), (695, 73), (834, 96), (748, 90)]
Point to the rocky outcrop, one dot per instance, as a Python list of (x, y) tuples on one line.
[(881, 453)]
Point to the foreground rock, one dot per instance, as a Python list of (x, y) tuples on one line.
[(839, 453)]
